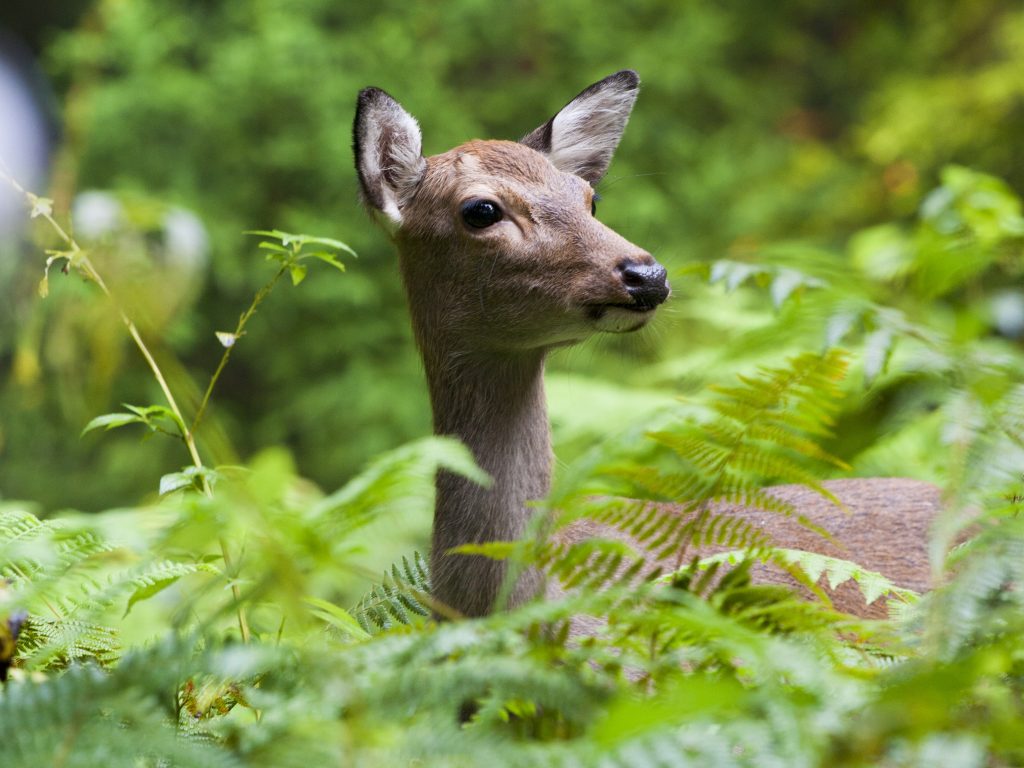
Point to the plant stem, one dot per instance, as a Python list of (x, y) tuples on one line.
[(261, 294), (80, 260)]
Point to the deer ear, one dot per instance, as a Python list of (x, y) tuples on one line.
[(582, 137), (388, 150)]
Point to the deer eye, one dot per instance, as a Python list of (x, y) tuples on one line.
[(480, 214), (593, 204)]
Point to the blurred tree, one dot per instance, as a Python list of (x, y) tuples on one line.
[(757, 123)]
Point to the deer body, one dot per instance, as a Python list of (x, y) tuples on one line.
[(502, 260)]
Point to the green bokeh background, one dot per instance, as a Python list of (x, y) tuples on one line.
[(792, 122)]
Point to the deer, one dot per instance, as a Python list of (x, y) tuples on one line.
[(503, 260)]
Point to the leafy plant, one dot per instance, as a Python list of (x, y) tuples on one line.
[(205, 628)]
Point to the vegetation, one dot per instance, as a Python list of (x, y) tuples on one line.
[(847, 261)]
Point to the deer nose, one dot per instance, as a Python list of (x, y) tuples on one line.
[(646, 283)]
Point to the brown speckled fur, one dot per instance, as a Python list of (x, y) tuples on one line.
[(883, 526)]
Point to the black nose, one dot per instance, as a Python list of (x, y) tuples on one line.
[(645, 283)]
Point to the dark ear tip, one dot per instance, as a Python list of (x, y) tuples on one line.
[(371, 96), (627, 78)]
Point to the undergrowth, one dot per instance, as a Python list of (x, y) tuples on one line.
[(244, 656)]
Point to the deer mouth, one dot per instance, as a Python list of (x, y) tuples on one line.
[(598, 311), (619, 317)]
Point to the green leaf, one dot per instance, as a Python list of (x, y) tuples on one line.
[(329, 242), (160, 577), (174, 481), (298, 273), (189, 477), (112, 421), (838, 326), (328, 258), (495, 550), (877, 347), (273, 247), (783, 285), (288, 238), (337, 617)]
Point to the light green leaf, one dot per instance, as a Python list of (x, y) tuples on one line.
[(328, 258), (174, 481), (495, 550), (160, 577), (877, 347), (783, 285), (112, 421), (273, 247), (337, 617), (298, 273), (187, 478)]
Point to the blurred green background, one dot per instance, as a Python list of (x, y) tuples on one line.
[(763, 130)]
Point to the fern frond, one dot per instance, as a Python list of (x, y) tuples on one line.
[(814, 566), (398, 598), (46, 643), (87, 717)]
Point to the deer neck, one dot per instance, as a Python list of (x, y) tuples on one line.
[(495, 404)]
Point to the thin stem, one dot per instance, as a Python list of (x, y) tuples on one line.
[(81, 260), (261, 294)]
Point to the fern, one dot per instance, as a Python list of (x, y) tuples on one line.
[(813, 566), (399, 598), (120, 717), (67, 576), (766, 428)]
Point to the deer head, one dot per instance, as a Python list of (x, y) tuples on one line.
[(500, 247)]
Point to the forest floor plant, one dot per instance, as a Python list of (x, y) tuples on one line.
[(243, 656)]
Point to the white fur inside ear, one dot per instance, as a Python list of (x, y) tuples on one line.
[(390, 155), (586, 132)]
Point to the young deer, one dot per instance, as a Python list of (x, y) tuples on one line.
[(502, 260)]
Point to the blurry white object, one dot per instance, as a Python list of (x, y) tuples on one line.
[(185, 239), (24, 141), (1007, 310), (95, 214)]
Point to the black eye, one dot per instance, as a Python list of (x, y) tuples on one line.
[(481, 213), (593, 204)]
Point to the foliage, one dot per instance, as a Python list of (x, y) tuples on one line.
[(854, 322), (248, 659), (796, 121)]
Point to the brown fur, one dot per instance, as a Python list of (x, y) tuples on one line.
[(882, 526)]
